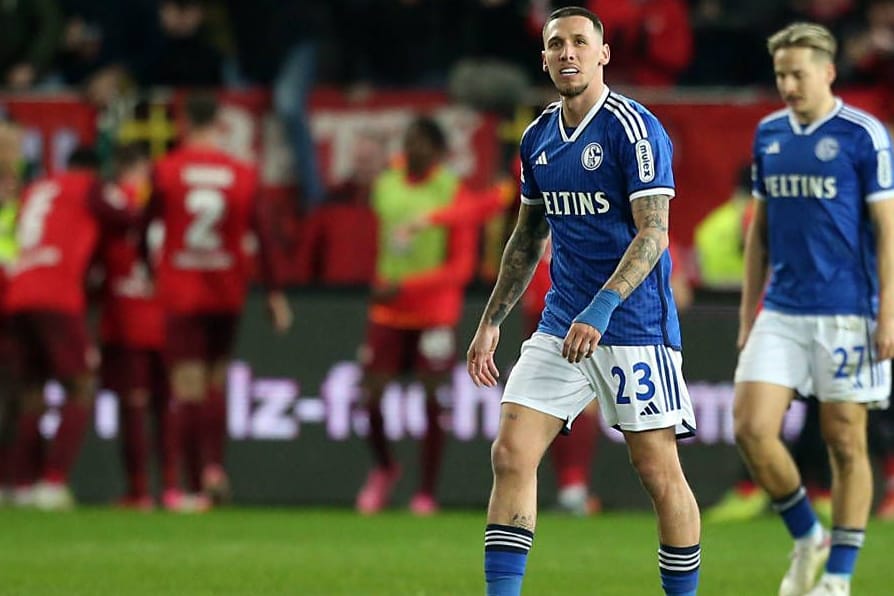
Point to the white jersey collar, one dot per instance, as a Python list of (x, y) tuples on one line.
[(583, 123), (811, 128)]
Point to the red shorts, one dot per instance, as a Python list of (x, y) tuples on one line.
[(50, 345), (389, 350), (206, 337), (125, 369)]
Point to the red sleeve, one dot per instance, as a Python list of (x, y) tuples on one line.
[(472, 207), (458, 268)]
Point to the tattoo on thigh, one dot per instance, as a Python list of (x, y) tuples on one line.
[(520, 520)]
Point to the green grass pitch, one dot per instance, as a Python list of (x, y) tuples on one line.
[(330, 552)]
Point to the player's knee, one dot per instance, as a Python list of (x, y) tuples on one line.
[(846, 446), (188, 382), (508, 457), (655, 473), (749, 432)]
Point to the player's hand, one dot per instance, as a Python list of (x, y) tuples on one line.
[(480, 357), (384, 292), (411, 228), (580, 341), (884, 338), (280, 312)]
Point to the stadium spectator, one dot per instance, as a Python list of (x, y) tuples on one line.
[(207, 201), (327, 254), (416, 302), (608, 244), (106, 46), (131, 332), (46, 300), (185, 54), (824, 225), (650, 40), (30, 36), (278, 44)]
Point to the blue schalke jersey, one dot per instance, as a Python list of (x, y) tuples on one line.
[(817, 181), (586, 179)]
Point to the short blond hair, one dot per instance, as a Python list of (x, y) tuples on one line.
[(804, 35)]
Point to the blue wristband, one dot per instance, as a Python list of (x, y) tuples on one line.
[(599, 311)]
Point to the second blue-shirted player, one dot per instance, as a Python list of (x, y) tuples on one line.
[(824, 230), (596, 178)]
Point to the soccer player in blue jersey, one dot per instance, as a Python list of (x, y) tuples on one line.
[(824, 230), (596, 176)]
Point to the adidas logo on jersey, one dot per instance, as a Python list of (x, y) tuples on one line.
[(772, 149), (650, 410), (541, 159)]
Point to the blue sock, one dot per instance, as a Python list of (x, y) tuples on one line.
[(505, 556), (846, 544), (797, 513), (678, 566)]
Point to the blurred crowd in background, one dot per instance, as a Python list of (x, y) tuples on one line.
[(104, 46)]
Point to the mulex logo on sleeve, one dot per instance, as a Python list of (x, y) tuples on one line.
[(644, 160), (274, 409)]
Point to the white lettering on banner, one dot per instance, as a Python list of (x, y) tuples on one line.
[(273, 416), (274, 409), (240, 125)]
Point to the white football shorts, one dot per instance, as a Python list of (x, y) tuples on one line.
[(638, 387), (831, 357)]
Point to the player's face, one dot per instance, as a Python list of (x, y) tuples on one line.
[(421, 153), (804, 80), (573, 54)]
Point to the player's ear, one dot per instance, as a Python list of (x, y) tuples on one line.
[(543, 60), (831, 72), (605, 55)]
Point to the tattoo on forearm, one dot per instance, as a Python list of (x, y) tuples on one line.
[(651, 217), (520, 520), (520, 258)]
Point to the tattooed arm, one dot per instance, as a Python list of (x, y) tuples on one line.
[(520, 258), (650, 214)]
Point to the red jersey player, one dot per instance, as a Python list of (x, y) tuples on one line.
[(207, 202), (132, 334), (58, 228)]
